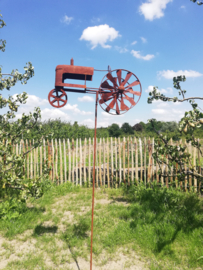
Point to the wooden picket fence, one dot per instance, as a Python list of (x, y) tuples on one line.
[(117, 161)]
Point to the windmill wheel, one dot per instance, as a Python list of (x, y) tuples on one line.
[(117, 92), (57, 98)]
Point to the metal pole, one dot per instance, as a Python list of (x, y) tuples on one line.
[(93, 183)]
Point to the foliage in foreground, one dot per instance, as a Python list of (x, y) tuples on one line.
[(175, 157), (168, 155), (167, 222), (13, 185)]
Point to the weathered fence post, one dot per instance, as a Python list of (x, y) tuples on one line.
[(64, 156), (100, 174), (136, 160), (132, 161), (145, 162), (84, 160), (128, 153), (27, 158), (49, 159), (108, 178), (104, 162), (89, 169), (69, 160), (73, 155), (124, 160), (116, 164), (119, 149), (56, 161)]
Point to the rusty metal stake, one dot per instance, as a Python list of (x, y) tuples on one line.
[(93, 183)]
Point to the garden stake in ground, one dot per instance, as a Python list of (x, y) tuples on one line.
[(116, 95)]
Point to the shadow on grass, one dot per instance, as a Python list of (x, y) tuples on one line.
[(75, 235), (120, 199), (40, 229), (165, 212), (28, 216)]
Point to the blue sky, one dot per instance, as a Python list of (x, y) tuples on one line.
[(154, 39)]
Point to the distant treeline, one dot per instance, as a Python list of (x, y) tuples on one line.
[(65, 130)]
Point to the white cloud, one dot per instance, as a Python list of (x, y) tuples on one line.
[(34, 101), (106, 119), (139, 56), (95, 20), (86, 99), (168, 104), (144, 40), (149, 89), (103, 124), (54, 114), (170, 90), (164, 104), (74, 109), (66, 19), (159, 111), (99, 35), (108, 115), (169, 74), (134, 42), (172, 112), (182, 7), (87, 122), (153, 9), (168, 111), (121, 50), (162, 91), (177, 111), (46, 113)]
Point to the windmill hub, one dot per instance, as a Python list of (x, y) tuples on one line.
[(121, 88), (117, 91)]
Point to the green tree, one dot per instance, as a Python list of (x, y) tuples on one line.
[(191, 121), (169, 126), (114, 130), (12, 180), (127, 129), (138, 127)]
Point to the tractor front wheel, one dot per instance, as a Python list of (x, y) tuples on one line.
[(57, 98)]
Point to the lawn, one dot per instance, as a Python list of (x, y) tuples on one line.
[(134, 228)]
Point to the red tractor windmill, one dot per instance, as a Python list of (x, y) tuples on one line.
[(119, 91)]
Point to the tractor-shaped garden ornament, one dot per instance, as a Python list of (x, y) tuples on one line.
[(116, 92), (116, 95)]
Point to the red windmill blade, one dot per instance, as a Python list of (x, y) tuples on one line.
[(112, 79), (119, 75), (105, 84), (106, 97), (129, 74), (132, 84), (117, 93), (130, 90), (131, 100), (111, 105), (123, 106), (117, 106)]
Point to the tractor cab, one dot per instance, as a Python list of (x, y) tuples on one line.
[(64, 72)]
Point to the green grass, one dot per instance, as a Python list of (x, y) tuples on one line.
[(164, 227)]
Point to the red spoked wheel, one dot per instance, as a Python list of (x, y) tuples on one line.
[(117, 92), (57, 98)]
